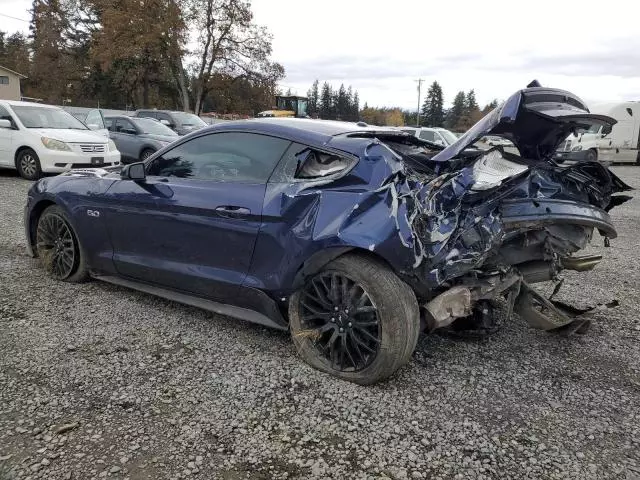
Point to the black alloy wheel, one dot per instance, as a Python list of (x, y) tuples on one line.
[(355, 319), (339, 316), (56, 246)]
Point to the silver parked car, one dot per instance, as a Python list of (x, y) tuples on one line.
[(138, 138)]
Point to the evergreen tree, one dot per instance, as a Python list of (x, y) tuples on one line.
[(313, 95), (47, 27), (334, 104), (355, 107), (341, 103), (348, 114), (324, 108), (471, 111), (433, 107), (489, 106), (457, 111), (471, 104), (14, 52)]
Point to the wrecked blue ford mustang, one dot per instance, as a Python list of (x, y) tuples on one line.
[(355, 238)]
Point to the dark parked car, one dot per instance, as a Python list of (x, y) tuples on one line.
[(354, 238), (180, 122), (138, 138)]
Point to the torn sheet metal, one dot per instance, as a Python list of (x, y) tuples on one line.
[(442, 220)]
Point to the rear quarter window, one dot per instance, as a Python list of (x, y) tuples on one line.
[(301, 162)]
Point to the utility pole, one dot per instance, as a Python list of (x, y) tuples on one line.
[(420, 80)]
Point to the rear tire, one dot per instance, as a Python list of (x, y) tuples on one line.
[(28, 164), (356, 320), (58, 247)]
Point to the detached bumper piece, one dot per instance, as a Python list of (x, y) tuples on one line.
[(546, 314), (473, 300)]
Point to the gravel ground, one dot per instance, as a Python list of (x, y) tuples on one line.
[(100, 382)]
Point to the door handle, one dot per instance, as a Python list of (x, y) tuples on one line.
[(232, 210)]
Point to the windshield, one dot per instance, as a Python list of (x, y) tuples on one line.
[(43, 117), (593, 129), (448, 136), (188, 119), (153, 127)]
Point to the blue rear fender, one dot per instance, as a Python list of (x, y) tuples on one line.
[(307, 224)]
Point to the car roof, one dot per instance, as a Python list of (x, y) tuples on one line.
[(291, 127), (317, 133), (158, 111), (16, 103), (128, 117)]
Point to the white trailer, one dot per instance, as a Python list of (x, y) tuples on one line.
[(621, 145)]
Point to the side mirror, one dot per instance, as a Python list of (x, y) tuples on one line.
[(165, 122), (5, 123), (438, 142), (134, 171)]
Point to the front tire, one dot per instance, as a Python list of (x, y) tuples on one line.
[(356, 320), (58, 247), (146, 153), (28, 165)]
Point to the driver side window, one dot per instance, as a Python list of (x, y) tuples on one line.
[(124, 126), (223, 157)]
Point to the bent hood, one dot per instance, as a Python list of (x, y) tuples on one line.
[(536, 119)]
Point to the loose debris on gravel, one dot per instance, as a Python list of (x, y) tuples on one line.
[(100, 382)]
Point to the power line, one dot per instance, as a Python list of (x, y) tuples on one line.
[(420, 80), (14, 18)]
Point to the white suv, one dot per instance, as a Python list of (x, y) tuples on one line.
[(438, 135), (37, 139)]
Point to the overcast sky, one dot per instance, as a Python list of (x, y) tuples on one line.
[(495, 47)]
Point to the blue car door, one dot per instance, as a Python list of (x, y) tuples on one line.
[(192, 224)]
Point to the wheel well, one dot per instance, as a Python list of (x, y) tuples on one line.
[(20, 149), (36, 211), (317, 261)]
